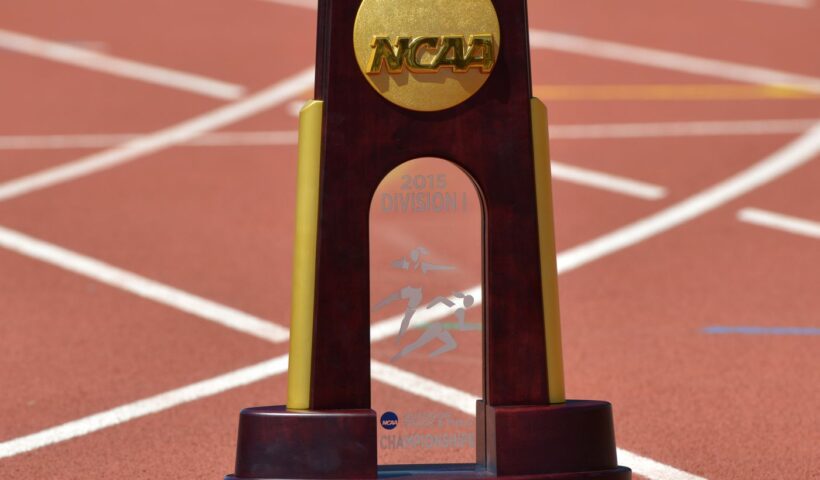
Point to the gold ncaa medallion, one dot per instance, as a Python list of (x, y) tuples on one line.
[(426, 55)]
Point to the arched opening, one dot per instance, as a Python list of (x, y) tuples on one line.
[(426, 270)]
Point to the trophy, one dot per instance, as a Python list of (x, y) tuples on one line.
[(424, 113)]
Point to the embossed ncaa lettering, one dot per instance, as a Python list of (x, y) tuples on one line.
[(426, 55), (447, 51)]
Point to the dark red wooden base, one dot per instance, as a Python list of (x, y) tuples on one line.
[(576, 436), (570, 441), (277, 443), (472, 471)]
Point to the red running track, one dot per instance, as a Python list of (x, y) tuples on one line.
[(216, 222)]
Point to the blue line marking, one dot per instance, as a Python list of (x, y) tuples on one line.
[(720, 330)]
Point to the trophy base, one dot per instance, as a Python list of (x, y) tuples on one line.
[(275, 442), (558, 439), (473, 472), (570, 441)]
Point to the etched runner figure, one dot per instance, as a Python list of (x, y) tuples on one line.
[(467, 301), (413, 297), (438, 331)]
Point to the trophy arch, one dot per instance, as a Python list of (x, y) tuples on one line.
[(350, 137), (426, 278)]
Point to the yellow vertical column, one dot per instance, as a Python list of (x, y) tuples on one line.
[(546, 238), (304, 255)]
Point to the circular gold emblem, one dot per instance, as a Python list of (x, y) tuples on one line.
[(426, 55)]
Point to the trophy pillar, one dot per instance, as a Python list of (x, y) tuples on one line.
[(398, 80)]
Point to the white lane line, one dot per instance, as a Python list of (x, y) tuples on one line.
[(295, 107), (652, 469), (678, 129), (607, 181), (141, 286), (778, 221), (779, 163), (786, 3), (466, 402), (423, 387), (154, 142), (103, 140), (663, 59), (146, 406), (242, 139), (557, 132), (309, 4), (101, 62)]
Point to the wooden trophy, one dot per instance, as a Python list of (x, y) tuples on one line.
[(398, 80)]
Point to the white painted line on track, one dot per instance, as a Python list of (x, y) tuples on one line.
[(81, 141), (678, 129), (607, 181), (466, 402), (141, 286), (146, 406), (653, 469), (557, 132), (101, 62), (778, 221), (309, 4), (295, 107), (186, 131), (786, 3), (242, 139), (423, 387), (663, 59), (779, 163)]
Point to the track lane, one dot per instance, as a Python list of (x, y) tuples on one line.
[(224, 39), (18, 163), (559, 68), (92, 59), (719, 111), (713, 398), (57, 98), (73, 347), (214, 222), (195, 440)]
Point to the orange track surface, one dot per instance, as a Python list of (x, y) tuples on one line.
[(217, 222)]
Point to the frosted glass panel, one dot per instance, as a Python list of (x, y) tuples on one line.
[(426, 317)]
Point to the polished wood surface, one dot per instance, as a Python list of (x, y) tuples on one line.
[(365, 137), (278, 443)]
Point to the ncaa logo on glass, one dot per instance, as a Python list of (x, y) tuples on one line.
[(389, 420)]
